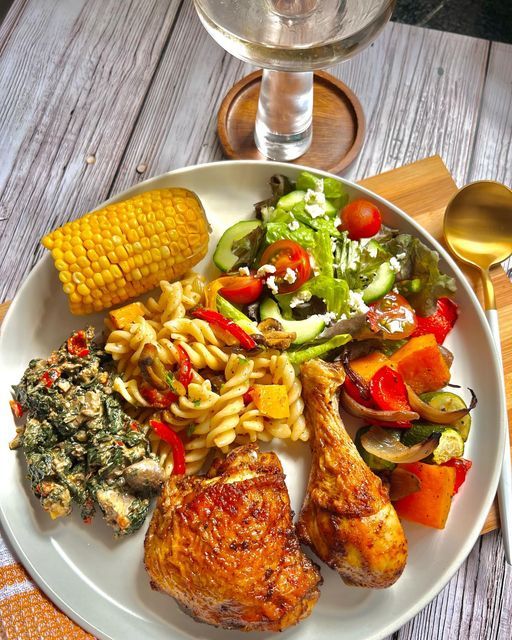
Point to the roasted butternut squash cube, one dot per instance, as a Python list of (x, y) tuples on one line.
[(421, 364), (431, 504)]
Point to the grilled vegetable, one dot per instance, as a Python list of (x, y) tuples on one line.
[(431, 504), (421, 364), (113, 254)]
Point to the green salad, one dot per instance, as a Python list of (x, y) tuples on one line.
[(315, 262)]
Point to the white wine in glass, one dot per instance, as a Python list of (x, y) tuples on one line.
[(290, 39)]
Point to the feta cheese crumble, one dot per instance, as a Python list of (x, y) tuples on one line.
[(355, 301), (271, 284), (328, 317), (244, 271), (264, 269), (293, 225), (315, 203), (290, 276), (394, 264), (302, 296)]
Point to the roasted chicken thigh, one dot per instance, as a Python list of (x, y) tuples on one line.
[(347, 517), (224, 546)]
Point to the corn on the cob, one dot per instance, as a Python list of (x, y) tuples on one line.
[(111, 255)]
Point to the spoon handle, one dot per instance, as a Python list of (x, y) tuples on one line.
[(505, 485)]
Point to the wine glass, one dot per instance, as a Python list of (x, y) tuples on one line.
[(290, 39)]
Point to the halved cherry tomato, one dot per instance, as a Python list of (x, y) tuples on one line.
[(392, 316), (243, 290), (441, 322), (284, 255), (361, 219), (388, 390)]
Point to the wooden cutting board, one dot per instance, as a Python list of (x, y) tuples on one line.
[(422, 190)]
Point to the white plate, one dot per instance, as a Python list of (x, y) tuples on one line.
[(101, 583)]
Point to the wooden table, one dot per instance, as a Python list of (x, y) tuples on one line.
[(99, 94)]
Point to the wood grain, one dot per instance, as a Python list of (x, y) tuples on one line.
[(72, 127), (492, 152), (420, 91), (177, 124)]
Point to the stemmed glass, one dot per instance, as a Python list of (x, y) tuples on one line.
[(290, 39)]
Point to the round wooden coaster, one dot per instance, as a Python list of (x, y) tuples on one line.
[(338, 123)]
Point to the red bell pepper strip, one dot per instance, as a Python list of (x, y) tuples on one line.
[(440, 323), (177, 446), (461, 466), (16, 408), (388, 390), (184, 373), (213, 317), (49, 377), (157, 398), (247, 397), (77, 344)]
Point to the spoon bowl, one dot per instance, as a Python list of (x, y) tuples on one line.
[(478, 227)]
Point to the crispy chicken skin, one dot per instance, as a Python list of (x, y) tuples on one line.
[(347, 518), (224, 546)]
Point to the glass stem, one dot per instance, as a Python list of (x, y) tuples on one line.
[(285, 111)]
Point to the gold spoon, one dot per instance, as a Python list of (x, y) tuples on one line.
[(478, 230)]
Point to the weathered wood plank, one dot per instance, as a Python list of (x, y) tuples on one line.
[(33, 39), (178, 123), (421, 93), (10, 21), (85, 107), (492, 153)]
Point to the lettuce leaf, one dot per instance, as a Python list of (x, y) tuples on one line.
[(421, 262), (332, 291), (280, 230)]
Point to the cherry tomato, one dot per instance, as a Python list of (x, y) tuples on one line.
[(284, 255), (361, 219), (441, 322), (392, 317), (243, 290)]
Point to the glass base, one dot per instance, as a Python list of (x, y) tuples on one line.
[(275, 146)]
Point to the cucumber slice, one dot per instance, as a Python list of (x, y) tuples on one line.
[(374, 462), (223, 257), (447, 401), (381, 284), (306, 330), (451, 445), (330, 209), (288, 201)]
